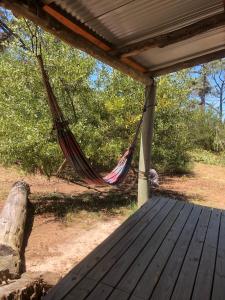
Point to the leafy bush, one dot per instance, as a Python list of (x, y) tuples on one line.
[(171, 136), (206, 130)]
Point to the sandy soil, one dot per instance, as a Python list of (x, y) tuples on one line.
[(65, 230), (61, 237), (55, 247), (205, 186)]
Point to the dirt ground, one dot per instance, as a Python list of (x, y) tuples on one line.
[(205, 186), (71, 220)]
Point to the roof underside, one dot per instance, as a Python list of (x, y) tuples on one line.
[(124, 22), (142, 38), (205, 43), (127, 21)]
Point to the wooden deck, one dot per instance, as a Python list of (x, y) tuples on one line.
[(167, 250)]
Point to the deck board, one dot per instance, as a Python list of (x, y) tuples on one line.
[(219, 275), (156, 231), (101, 292), (191, 262), (204, 279), (118, 294), (151, 222), (138, 267), (167, 250), (167, 281), (155, 267)]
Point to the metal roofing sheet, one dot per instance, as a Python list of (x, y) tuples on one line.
[(124, 21), (157, 58)]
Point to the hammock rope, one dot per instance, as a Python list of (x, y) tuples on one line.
[(71, 148)]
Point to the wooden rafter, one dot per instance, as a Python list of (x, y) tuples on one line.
[(88, 36), (189, 63), (75, 28), (172, 37), (51, 25)]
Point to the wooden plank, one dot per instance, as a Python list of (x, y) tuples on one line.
[(121, 295), (136, 298), (75, 27), (89, 289), (92, 259), (101, 292), (170, 38), (82, 290), (204, 279), (189, 269), (118, 295), (142, 251), (219, 277), (77, 273), (166, 283), (151, 269), (140, 232), (82, 31)]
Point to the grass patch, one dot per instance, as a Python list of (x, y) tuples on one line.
[(207, 157)]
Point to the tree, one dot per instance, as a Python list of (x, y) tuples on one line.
[(5, 34), (217, 76), (209, 85), (26, 136), (201, 85)]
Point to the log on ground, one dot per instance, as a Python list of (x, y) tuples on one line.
[(12, 230)]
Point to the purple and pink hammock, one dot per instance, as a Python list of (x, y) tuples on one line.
[(72, 150)]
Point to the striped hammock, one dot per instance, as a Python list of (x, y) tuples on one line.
[(72, 150)]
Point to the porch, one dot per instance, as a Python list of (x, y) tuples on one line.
[(168, 249)]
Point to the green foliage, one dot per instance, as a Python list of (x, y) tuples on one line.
[(26, 136), (102, 106), (122, 99), (206, 130), (208, 157), (171, 137)]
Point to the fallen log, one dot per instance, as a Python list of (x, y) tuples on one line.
[(29, 286), (12, 230)]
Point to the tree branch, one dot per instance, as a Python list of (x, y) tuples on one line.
[(210, 105)]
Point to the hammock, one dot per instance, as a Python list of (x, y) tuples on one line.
[(72, 150)]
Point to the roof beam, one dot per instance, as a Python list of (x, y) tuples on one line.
[(80, 30), (75, 40), (189, 63), (172, 37)]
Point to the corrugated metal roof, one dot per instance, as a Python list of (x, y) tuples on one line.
[(157, 58), (122, 22)]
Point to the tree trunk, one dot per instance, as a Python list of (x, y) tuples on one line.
[(203, 92), (12, 226), (221, 105)]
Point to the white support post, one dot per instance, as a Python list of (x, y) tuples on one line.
[(146, 144)]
